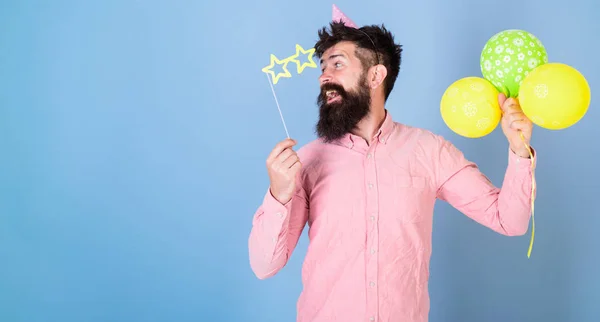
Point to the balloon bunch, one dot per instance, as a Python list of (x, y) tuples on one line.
[(552, 95)]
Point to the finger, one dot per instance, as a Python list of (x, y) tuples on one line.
[(296, 166), (514, 116), (520, 125), (277, 164), (290, 161), (284, 156), (501, 99), (280, 147), (511, 105)]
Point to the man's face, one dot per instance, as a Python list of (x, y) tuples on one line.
[(345, 97)]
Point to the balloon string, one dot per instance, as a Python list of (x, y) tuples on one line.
[(278, 108), (532, 195)]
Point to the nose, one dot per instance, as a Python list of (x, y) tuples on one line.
[(325, 77)]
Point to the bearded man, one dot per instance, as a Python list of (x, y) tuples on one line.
[(366, 188)]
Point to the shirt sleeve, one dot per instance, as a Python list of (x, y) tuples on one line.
[(276, 229), (506, 210)]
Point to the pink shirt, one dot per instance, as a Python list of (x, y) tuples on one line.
[(370, 213)]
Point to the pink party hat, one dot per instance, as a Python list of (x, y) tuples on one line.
[(338, 15)]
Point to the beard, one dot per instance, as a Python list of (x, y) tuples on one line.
[(340, 117)]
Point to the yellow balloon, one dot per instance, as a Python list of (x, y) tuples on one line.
[(470, 107), (555, 96)]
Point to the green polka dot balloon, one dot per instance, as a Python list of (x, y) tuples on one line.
[(508, 57)]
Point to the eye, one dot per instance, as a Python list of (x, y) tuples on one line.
[(336, 65)]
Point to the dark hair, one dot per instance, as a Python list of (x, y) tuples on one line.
[(372, 39)]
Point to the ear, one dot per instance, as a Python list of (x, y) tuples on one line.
[(377, 75)]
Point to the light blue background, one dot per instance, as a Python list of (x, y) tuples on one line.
[(133, 136)]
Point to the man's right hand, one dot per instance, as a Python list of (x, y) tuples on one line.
[(283, 165)]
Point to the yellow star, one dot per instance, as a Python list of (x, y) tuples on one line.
[(269, 69), (310, 63)]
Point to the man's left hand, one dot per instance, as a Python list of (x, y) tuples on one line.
[(514, 123)]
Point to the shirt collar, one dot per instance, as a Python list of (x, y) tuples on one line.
[(386, 128), (383, 134)]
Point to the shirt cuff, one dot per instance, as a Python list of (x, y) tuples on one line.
[(272, 207), (521, 162)]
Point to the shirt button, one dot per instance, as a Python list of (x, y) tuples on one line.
[(372, 250), (279, 215), (372, 318), (372, 218), (370, 186), (372, 284), (382, 140), (369, 156)]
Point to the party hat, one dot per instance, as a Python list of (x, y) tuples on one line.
[(339, 16)]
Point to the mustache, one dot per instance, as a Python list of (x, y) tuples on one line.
[(331, 86)]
